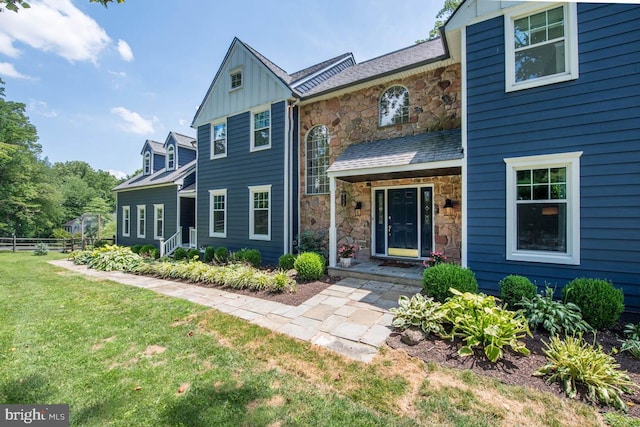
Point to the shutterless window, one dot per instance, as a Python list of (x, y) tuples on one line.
[(171, 158), (126, 221), (218, 224), (236, 79), (218, 140), (146, 164), (317, 159), (260, 213), (262, 129), (394, 106), (142, 212), (158, 218)]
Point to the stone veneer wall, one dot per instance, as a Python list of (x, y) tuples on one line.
[(434, 105)]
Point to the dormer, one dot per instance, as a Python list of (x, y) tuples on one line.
[(180, 150), (153, 157)]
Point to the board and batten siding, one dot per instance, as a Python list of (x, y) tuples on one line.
[(236, 173), (598, 113), (166, 195)]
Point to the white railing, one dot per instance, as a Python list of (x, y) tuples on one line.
[(192, 237), (168, 246)]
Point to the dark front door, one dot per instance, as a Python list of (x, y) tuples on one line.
[(403, 222)]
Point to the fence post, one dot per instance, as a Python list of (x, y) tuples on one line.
[(64, 246), (73, 248), (14, 242), (84, 244)]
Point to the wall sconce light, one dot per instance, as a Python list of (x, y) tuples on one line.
[(358, 208), (448, 206), (343, 198)]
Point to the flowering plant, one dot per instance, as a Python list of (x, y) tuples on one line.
[(347, 251), (435, 259)]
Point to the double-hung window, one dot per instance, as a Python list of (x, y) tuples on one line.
[(171, 158), (261, 130), (158, 221), (260, 212), (126, 221), (142, 220), (219, 140), (218, 216), (541, 46), (543, 208)]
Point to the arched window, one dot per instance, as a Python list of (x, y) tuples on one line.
[(146, 164), (394, 106), (317, 181), (171, 157)]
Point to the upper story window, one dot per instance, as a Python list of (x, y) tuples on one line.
[(543, 208), (219, 140), (317, 159), (171, 157), (261, 130), (236, 79), (146, 163), (394, 106), (541, 47)]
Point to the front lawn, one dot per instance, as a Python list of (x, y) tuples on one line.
[(123, 356)]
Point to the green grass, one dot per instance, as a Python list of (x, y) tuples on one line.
[(123, 356)]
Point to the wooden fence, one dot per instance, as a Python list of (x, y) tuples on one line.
[(63, 245)]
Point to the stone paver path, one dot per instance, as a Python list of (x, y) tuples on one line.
[(350, 317)]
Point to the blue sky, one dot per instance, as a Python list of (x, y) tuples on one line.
[(98, 82)]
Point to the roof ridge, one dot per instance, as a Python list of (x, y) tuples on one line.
[(320, 65), (399, 50)]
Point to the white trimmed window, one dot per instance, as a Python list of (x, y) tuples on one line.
[(218, 216), (261, 130), (126, 221), (394, 106), (171, 158), (541, 46), (235, 78), (219, 140), (260, 212), (142, 220), (146, 163), (543, 208), (158, 221), (317, 159)]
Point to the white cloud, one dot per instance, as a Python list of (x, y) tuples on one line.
[(53, 26), (117, 174), (42, 108), (183, 122), (120, 74), (8, 70), (125, 50), (133, 122)]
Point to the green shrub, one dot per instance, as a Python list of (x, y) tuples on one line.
[(193, 254), (179, 254), (419, 311), (601, 304), (221, 254), (313, 241), (309, 265), (253, 257), (114, 258), (513, 288), (41, 249), (99, 243), (573, 362), (554, 316), (286, 261), (209, 254), (81, 257), (632, 343), (478, 321), (437, 281), (147, 250), (136, 249)]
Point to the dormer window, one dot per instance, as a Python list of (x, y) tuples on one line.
[(146, 164), (171, 157), (236, 79), (394, 106)]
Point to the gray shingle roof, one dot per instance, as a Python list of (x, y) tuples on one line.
[(408, 150), (184, 140), (157, 147), (410, 57), (158, 178), (298, 75)]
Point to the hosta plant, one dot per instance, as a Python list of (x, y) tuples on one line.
[(574, 363), (480, 322), (542, 311), (419, 311), (632, 343), (114, 258)]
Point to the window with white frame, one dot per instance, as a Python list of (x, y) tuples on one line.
[(261, 130), (218, 209), (541, 46), (142, 220), (236, 79), (317, 160), (126, 221), (543, 208), (219, 140), (260, 212), (146, 163), (394, 106), (158, 221), (171, 157)]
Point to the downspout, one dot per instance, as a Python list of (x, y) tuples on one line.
[(288, 160), (465, 151)]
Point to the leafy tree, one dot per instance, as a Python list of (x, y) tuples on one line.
[(447, 10)]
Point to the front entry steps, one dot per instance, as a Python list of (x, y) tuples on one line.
[(403, 274)]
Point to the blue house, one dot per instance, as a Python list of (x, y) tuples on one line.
[(551, 135), (158, 205), (247, 166)]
